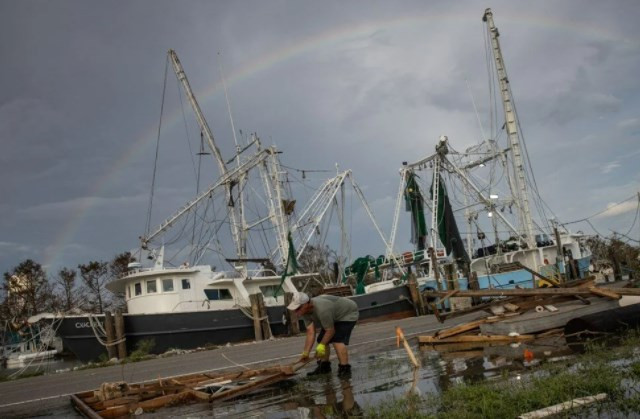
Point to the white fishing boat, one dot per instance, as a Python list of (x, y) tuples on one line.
[(246, 220), (490, 189)]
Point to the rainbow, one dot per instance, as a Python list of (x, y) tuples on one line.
[(326, 39)]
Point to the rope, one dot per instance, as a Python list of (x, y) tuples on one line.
[(247, 312), (100, 328), (234, 363), (41, 348)]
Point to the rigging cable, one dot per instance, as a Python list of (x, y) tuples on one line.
[(155, 163)]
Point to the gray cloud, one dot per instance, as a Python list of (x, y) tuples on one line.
[(365, 86)]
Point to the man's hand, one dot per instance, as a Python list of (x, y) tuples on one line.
[(304, 357), (321, 350)]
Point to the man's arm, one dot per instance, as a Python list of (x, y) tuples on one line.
[(311, 337), (328, 334)]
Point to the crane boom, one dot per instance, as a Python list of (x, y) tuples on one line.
[(204, 128), (526, 223)]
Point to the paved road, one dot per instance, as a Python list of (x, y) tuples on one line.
[(36, 395)]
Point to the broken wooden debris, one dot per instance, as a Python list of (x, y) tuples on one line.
[(431, 340), (400, 337), (603, 292), (561, 407), (537, 292), (123, 399), (511, 307)]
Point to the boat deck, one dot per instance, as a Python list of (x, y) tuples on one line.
[(28, 396)]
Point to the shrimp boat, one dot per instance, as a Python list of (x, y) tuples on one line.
[(490, 188), (246, 220)]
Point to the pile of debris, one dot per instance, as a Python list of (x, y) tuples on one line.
[(525, 314), (120, 399)]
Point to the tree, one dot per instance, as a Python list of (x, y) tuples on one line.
[(118, 267), (94, 276), (69, 295), (321, 260), (27, 291)]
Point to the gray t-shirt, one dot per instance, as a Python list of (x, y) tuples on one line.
[(328, 309)]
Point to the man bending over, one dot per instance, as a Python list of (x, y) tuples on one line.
[(335, 317)]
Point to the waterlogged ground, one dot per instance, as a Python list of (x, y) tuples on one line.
[(380, 377)]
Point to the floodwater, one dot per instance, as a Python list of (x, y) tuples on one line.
[(376, 378), (379, 377)]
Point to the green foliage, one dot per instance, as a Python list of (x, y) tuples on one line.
[(142, 351)]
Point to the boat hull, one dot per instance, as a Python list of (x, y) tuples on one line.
[(192, 330)]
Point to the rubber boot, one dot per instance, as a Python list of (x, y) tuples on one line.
[(344, 371), (324, 367)]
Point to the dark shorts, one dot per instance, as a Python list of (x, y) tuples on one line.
[(343, 332)]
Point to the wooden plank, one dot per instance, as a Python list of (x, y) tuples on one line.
[(448, 295), (83, 408), (246, 388), (552, 332), (475, 308), (603, 292), (557, 409), (432, 340), (147, 405), (456, 330), (534, 292)]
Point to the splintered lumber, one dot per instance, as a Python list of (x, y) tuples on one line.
[(603, 292), (535, 292), (561, 407), (245, 388), (452, 331), (400, 337), (449, 295), (477, 307), (150, 396), (431, 340)]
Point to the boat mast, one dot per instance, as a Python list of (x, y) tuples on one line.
[(435, 189), (204, 127), (526, 223)]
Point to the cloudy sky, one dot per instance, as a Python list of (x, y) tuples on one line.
[(365, 85)]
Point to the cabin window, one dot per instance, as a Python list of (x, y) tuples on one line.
[(167, 285), (218, 294), (270, 290), (151, 287), (186, 284), (138, 288)]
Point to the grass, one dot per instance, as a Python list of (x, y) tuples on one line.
[(142, 351), (614, 371)]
